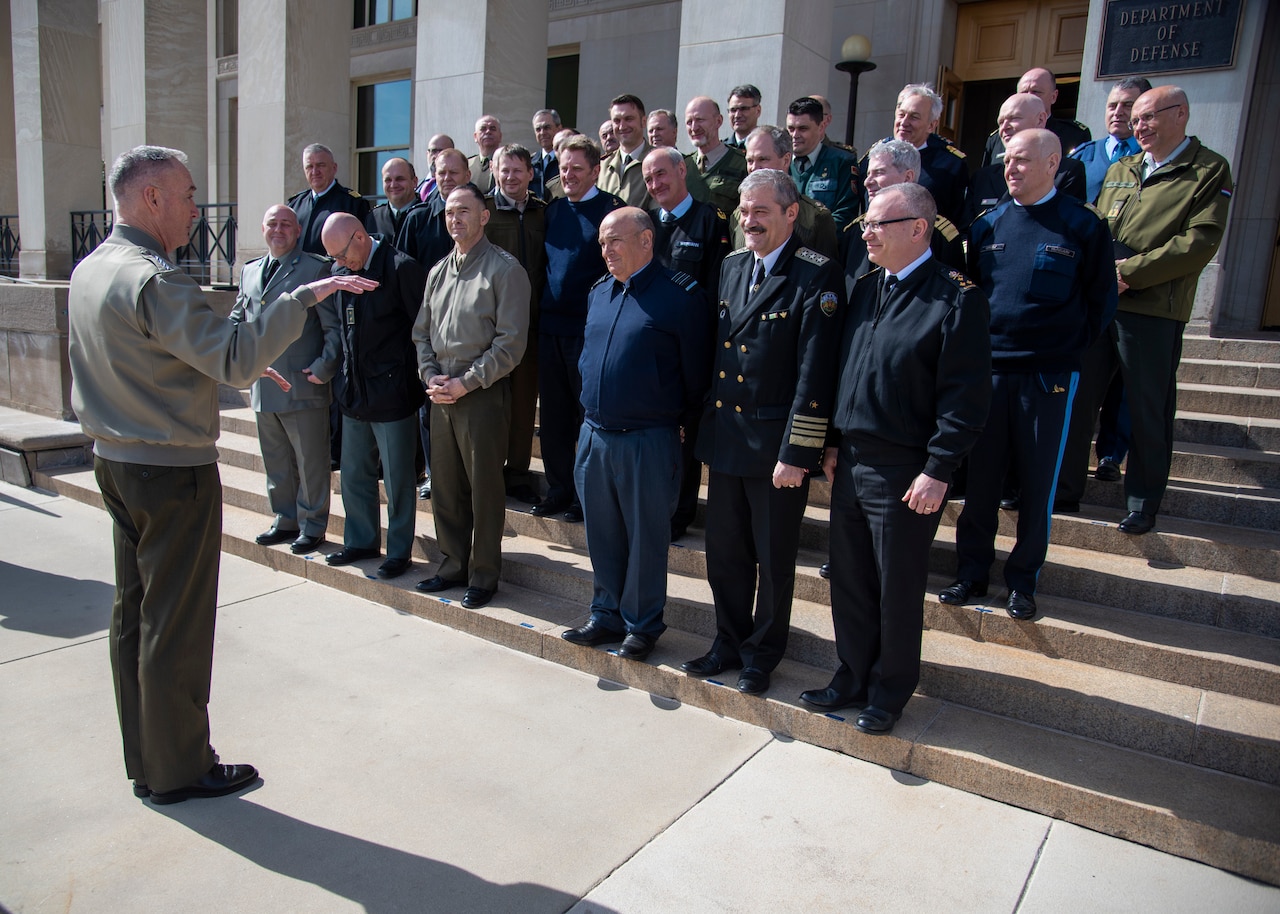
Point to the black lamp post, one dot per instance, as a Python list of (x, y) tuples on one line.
[(855, 51)]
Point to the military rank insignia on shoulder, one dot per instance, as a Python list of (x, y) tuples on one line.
[(159, 261), (964, 282), (946, 228), (736, 253), (605, 278), (1093, 209), (955, 151), (507, 255), (354, 193), (874, 276), (811, 256), (720, 213), (684, 281), (828, 302)]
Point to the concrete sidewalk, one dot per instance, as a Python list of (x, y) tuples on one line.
[(410, 768)]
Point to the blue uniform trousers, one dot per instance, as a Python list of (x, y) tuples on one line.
[(362, 444), (629, 482), (1026, 430)]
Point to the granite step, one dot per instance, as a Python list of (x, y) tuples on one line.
[(1254, 402), (1226, 431), (1228, 373), (1262, 347), (1176, 804)]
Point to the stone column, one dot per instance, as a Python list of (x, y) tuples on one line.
[(781, 46), (56, 89), (295, 89), (478, 58), (8, 158), (155, 74)]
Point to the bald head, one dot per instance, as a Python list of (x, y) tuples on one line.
[(1160, 117), (346, 241), (626, 242), (1030, 163), (702, 121), (1041, 83), (1023, 111), (280, 230)]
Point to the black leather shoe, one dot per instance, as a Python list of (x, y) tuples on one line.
[(273, 536), (219, 781), (591, 634), (393, 568), (524, 494), (824, 571), (828, 699), (1009, 504), (548, 507), (140, 789), (424, 491), (709, 664), (753, 681), (876, 720), (475, 597), (436, 584), (961, 592), (304, 544), (1138, 523), (1021, 606), (573, 514), (1108, 470), (678, 532), (348, 555), (636, 646)]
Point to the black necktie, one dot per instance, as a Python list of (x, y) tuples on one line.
[(802, 164), (272, 266), (667, 217), (886, 287), (757, 279)]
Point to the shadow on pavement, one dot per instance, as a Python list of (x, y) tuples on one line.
[(383, 879), (53, 604)]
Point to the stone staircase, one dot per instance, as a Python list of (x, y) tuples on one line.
[(1143, 703)]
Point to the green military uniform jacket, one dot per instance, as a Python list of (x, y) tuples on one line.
[(1173, 222), (721, 180)]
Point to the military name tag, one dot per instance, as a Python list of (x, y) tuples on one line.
[(993, 248), (821, 184), (1058, 249), (351, 315)]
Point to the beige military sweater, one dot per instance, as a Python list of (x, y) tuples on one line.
[(474, 321)]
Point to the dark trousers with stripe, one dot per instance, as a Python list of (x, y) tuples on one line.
[(1026, 430)]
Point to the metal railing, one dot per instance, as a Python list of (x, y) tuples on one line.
[(207, 257), (10, 246)]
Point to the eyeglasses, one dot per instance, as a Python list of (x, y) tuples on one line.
[(739, 109), (877, 226), (1149, 116), (342, 255)]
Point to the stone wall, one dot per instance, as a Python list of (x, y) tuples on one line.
[(34, 373)]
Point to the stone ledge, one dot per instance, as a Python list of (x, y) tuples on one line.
[(30, 443)]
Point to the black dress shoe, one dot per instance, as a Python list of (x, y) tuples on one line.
[(348, 555), (393, 568), (961, 592), (709, 664), (549, 507), (824, 571), (304, 544), (1138, 523), (273, 536), (1021, 606), (591, 634), (876, 720), (753, 681), (636, 646), (1108, 470), (140, 789), (219, 781), (523, 493), (424, 491), (475, 597), (573, 514), (435, 584), (828, 699), (1009, 504)]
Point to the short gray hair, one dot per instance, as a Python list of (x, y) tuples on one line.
[(923, 90), (919, 201), (784, 189), (548, 112), (901, 155), (312, 148), (782, 145), (672, 154), (140, 166), (1129, 83)]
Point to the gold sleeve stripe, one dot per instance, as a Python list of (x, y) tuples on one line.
[(807, 440)]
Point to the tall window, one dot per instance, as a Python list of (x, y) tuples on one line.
[(373, 12), (383, 130)]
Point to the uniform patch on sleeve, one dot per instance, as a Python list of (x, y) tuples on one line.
[(828, 302), (684, 281), (159, 261), (811, 256)]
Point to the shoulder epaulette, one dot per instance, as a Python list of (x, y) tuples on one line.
[(720, 213), (857, 223), (158, 261), (873, 274), (736, 253), (605, 278), (321, 258), (964, 282), (255, 260), (505, 254), (954, 150), (1093, 209), (684, 281), (354, 193), (993, 133), (811, 256), (946, 227), (817, 204)]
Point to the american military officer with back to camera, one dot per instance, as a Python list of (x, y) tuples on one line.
[(763, 430), (147, 353)]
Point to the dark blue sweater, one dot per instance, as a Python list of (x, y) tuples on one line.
[(1049, 273), (573, 261)]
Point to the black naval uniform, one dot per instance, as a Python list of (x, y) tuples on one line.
[(772, 383), (695, 244), (914, 389), (423, 235), (381, 221), (946, 244), (313, 211)]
